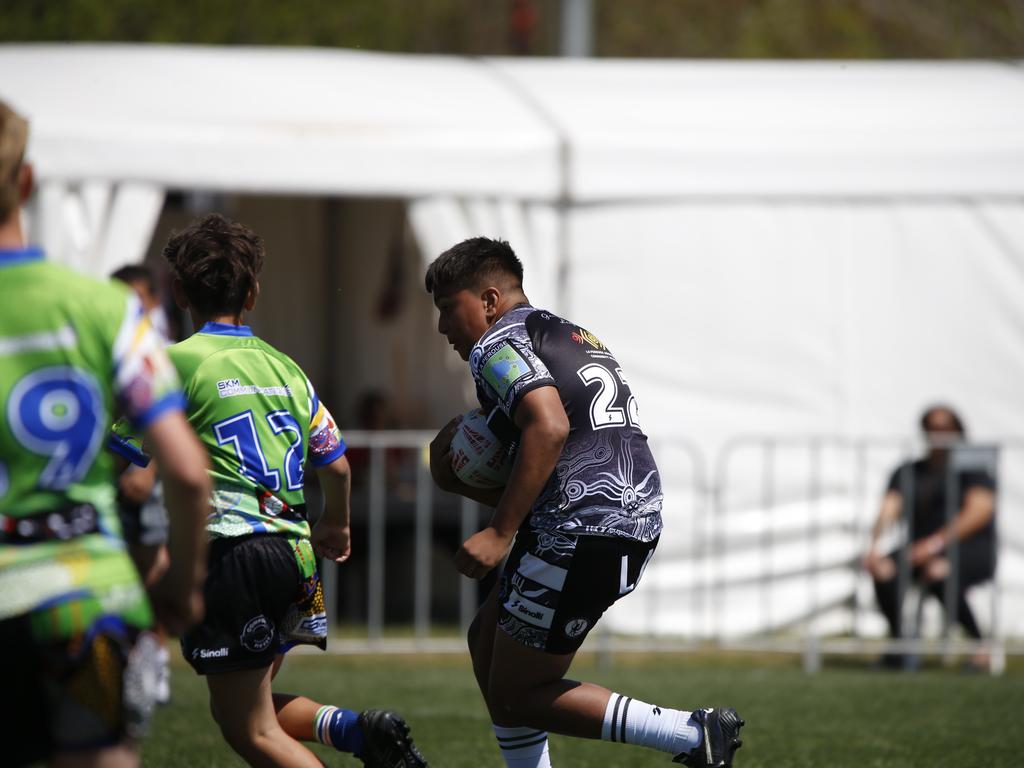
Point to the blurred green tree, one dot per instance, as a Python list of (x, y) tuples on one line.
[(632, 28)]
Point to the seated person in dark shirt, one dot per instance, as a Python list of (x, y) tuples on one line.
[(972, 528)]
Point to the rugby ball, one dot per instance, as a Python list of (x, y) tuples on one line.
[(479, 458)]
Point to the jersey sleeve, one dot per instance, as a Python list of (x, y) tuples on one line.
[(506, 370), (896, 478), (124, 443), (145, 382), (976, 479), (325, 441)]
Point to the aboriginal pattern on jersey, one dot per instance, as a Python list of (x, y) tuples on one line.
[(606, 481)]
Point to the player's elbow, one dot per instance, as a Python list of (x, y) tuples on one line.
[(551, 430), (191, 475), (338, 470), (443, 480)]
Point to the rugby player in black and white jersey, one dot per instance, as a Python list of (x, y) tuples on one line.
[(582, 504)]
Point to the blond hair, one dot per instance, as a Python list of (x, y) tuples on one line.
[(13, 139)]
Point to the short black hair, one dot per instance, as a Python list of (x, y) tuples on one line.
[(217, 261), (472, 263), (957, 421), (136, 273)]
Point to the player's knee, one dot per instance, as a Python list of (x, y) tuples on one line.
[(884, 570), (473, 635), (235, 730), (246, 741), (235, 737), (213, 712), (936, 570)]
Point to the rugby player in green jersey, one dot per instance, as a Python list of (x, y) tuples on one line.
[(259, 419), (74, 617)]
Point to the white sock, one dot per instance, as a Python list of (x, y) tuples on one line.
[(523, 747), (632, 721), (163, 684)]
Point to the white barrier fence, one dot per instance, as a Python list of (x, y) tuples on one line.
[(761, 550)]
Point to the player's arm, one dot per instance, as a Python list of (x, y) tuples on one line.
[(888, 514), (544, 428), (331, 536), (977, 511), (183, 465), (445, 477), (136, 483), (150, 397)]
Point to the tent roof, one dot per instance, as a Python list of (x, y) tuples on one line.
[(644, 129), (263, 119), (344, 122)]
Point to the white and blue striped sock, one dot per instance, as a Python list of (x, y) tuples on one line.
[(632, 721), (523, 747), (339, 728)]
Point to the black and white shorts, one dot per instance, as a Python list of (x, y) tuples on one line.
[(257, 606), (555, 587)]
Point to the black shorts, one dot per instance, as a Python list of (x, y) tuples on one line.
[(555, 587), (147, 523), (257, 606), (92, 691)]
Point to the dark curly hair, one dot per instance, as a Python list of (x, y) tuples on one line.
[(217, 261)]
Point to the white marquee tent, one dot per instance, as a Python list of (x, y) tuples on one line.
[(771, 248)]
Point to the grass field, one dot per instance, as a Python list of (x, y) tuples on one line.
[(845, 716)]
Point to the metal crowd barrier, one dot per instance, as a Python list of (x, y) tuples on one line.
[(864, 502), (397, 467)]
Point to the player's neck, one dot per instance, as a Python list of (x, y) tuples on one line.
[(12, 237), (198, 321), (508, 301)]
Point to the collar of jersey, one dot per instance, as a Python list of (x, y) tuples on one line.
[(226, 329), (12, 256)]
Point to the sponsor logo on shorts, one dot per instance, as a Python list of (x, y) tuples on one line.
[(209, 653), (529, 611), (526, 611), (576, 627), (257, 634)]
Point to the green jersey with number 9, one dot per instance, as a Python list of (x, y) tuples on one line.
[(72, 350)]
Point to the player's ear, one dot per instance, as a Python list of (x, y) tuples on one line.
[(178, 291), (491, 298), (250, 300), (26, 179)]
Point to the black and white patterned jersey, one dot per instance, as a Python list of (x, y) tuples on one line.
[(606, 482)]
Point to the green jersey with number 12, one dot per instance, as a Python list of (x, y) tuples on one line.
[(258, 417)]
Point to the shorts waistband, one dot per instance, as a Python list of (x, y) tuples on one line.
[(61, 524)]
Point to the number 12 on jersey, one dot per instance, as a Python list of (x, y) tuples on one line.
[(239, 431)]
